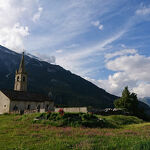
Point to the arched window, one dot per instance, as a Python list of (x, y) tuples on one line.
[(17, 78), (24, 79), (38, 108), (15, 108), (47, 107), (28, 108)]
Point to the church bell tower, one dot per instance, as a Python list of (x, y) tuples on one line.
[(21, 77)]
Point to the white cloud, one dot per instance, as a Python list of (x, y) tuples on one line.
[(123, 46), (59, 51), (143, 11), (85, 52), (131, 70), (65, 21), (97, 24), (120, 53), (47, 58), (37, 15), (116, 82), (75, 60), (12, 37), (142, 89), (13, 29), (136, 66), (72, 46), (101, 27), (60, 26)]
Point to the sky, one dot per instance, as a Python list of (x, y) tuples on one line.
[(104, 41)]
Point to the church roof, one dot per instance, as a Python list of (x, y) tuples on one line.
[(25, 96), (22, 65)]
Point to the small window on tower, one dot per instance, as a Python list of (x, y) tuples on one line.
[(47, 106), (18, 78), (24, 79)]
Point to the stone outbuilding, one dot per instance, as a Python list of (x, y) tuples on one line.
[(20, 100)]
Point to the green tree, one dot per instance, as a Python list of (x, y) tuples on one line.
[(128, 101)]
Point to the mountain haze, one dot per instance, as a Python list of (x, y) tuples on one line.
[(66, 88), (146, 100)]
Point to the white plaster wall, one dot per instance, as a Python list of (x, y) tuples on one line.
[(73, 109), (4, 103)]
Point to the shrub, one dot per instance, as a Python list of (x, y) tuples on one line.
[(72, 119)]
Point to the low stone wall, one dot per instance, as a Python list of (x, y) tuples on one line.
[(73, 109), (110, 111)]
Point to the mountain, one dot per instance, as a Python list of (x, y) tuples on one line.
[(146, 100), (66, 88)]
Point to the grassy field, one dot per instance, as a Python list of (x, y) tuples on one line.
[(20, 133)]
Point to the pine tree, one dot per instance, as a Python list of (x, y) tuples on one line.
[(128, 101)]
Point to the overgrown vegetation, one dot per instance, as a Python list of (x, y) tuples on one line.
[(70, 119), (19, 133), (85, 120)]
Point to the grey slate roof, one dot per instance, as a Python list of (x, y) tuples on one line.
[(25, 96)]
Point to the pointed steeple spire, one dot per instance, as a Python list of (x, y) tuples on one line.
[(22, 65), (21, 77)]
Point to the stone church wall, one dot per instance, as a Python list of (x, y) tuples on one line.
[(31, 106)]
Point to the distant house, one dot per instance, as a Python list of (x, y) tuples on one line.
[(20, 100)]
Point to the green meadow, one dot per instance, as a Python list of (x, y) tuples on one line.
[(22, 133)]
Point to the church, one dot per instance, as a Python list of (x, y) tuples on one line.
[(20, 100)]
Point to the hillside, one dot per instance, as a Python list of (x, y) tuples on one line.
[(23, 134), (65, 88)]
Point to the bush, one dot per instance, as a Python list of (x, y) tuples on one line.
[(71, 119)]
